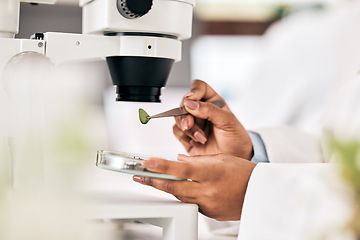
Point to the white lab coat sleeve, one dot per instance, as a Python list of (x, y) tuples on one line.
[(295, 201), (282, 144), (290, 145)]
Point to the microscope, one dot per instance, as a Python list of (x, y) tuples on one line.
[(140, 40), (41, 151)]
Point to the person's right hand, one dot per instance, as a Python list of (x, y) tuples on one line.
[(209, 129)]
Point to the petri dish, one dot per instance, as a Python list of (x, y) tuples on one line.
[(127, 163)]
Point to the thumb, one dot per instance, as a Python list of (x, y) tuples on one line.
[(219, 117)]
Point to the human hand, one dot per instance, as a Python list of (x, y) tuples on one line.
[(216, 183), (209, 129)]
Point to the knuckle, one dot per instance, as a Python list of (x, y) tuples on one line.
[(212, 108), (196, 82), (187, 172), (199, 82), (148, 181), (179, 134), (168, 186), (206, 108), (176, 130), (163, 166), (210, 194), (196, 85), (222, 157), (177, 121)]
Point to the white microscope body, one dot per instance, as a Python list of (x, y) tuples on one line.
[(150, 29)]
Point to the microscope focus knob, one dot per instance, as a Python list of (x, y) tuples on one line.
[(134, 8)]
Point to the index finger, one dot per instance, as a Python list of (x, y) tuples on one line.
[(200, 90), (182, 170)]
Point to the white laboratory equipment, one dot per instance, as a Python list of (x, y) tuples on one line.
[(139, 39)]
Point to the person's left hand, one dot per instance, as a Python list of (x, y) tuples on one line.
[(216, 183)]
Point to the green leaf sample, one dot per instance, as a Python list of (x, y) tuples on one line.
[(143, 116)]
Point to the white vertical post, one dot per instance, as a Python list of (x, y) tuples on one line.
[(9, 18), (183, 225)]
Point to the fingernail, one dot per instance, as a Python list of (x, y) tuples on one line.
[(200, 137), (184, 124), (193, 105), (189, 94), (137, 179), (149, 164)]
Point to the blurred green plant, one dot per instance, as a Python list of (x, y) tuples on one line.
[(284, 10), (347, 153)]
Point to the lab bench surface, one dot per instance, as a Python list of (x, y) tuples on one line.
[(178, 220)]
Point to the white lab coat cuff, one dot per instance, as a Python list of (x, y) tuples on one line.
[(290, 145)]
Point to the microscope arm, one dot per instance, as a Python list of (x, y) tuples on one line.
[(64, 47)]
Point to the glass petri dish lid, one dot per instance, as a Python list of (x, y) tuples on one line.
[(129, 163)]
